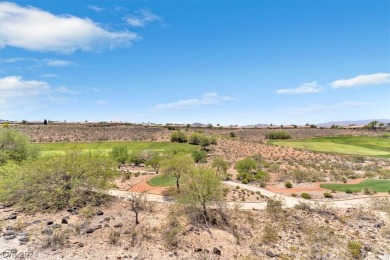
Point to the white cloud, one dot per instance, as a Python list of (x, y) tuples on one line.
[(19, 95), (57, 63), (306, 88), (208, 99), (362, 80), (142, 18), (37, 30), (96, 8), (101, 102)]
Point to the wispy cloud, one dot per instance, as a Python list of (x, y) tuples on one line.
[(208, 99), (49, 75), (57, 63), (362, 80), (317, 109), (306, 88), (38, 30), (102, 102), (142, 18), (96, 8)]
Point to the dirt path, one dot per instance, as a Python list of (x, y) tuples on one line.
[(289, 202)]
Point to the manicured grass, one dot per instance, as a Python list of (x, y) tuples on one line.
[(162, 180), (106, 147), (375, 185), (359, 145)]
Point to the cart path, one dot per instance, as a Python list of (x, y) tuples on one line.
[(289, 202)]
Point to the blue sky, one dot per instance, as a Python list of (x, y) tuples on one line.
[(226, 62)]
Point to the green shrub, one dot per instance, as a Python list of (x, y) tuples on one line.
[(278, 135), (114, 237), (306, 195), (368, 191), (349, 191), (15, 146), (328, 195), (355, 248), (288, 185), (200, 156), (58, 182), (120, 154), (232, 134), (294, 195), (195, 138), (178, 137)]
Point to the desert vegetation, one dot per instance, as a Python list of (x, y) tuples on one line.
[(67, 201)]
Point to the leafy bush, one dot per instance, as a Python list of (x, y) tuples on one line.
[(15, 146), (194, 138), (328, 195), (178, 137), (278, 135), (57, 182), (120, 154), (306, 196), (368, 191), (232, 134), (199, 156), (349, 191), (288, 185)]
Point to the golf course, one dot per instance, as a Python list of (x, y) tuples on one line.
[(106, 147), (355, 145), (373, 184)]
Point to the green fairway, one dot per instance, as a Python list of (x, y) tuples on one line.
[(375, 185), (359, 145), (162, 180), (106, 147)]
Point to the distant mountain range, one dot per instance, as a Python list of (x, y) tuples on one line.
[(353, 122)]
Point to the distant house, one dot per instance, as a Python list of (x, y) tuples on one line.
[(288, 127), (273, 127), (354, 127)]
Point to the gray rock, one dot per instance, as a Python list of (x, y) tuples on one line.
[(367, 247), (36, 221), (198, 250), (12, 216), (89, 230), (49, 222), (2, 207), (80, 244), (99, 213), (97, 227), (119, 225), (9, 228), (64, 221), (10, 237), (24, 239), (47, 231), (270, 254), (217, 251), (9, 233)]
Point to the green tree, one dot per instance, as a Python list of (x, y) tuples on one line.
[(194, 138), (381, 125), (120, 154), (201, 187), (45, 122), (246, 165), (57, 182), (155, 161), (200, 156), (15, 146), (178, 137), (204, 142), (220, 166), (249, 170), (177, 166)]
